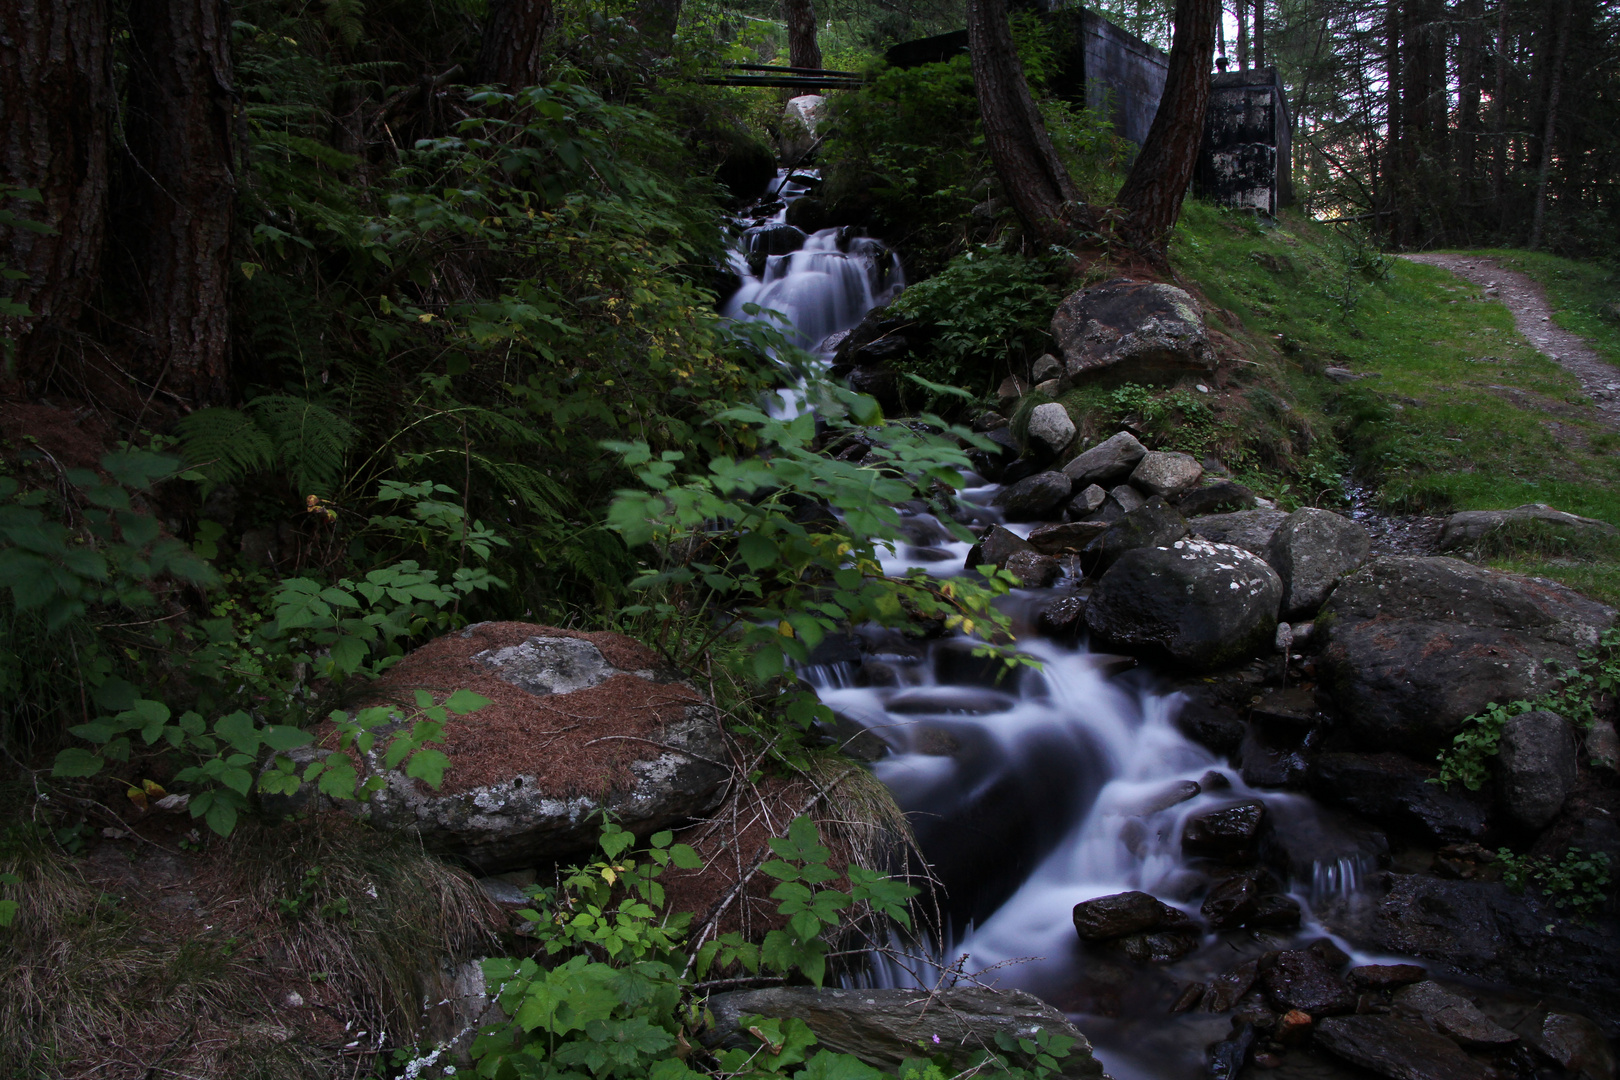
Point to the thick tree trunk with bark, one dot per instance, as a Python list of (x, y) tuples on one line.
[(56, 104), (1393, 133), (1034, 179), (1151, 197), (1550, 128), (179, 193), (1242, 12), (514, 32), (657, 21), (800, 16), (1470, 54), (1259, 33)]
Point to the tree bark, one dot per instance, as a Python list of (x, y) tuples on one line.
[(1241, 9), (177, 206), (1035, 181), (800, 16), (1499, 109), (514, 32), (1393, 134), (1549, 130), (56, 104), (1151, 197), (1470, 50), (1259, 33), (657, 21)]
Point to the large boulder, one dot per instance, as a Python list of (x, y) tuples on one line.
[(1125, 913), (995, 547), (1399, 794), (1482, 931), (1398, 1049), (1311, 551), (1166, 473), (1467, 528), (1413, 646), (1035, 498), (1221, 496), (1250, 530), (800, 118), (579, 726), (1153, 524), (1050, 430), (1536, 767), (1196, 603), (1109, 462), (886, 1028), (1131, 331)]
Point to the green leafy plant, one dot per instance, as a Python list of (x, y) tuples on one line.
[(1580, 880), (986, 311), (1468, 760)]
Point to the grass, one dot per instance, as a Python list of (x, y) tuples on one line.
[(1585, 296)]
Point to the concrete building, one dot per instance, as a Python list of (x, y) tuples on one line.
[(1246, 159)]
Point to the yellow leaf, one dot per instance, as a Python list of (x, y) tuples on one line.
[(426, 316), (138, 797), (967, 626), (784, 628), (153, 789), (608, 875)]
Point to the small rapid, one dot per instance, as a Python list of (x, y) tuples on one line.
[(1035, 787)]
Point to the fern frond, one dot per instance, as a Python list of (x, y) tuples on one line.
[(225, 445), (311, 441)]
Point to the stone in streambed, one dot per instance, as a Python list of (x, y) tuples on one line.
[(1223, 496), (1232, 902), (1301, 979), (1578, 1045), (1050, 430), (1034, 498), (1452, 1015), (1153, 524), (1062, 617), (1231, 834), (1311, 551), (1159, 946), (1195, 603), (1131, 331), (995, 547), (1109, 462), (1065, 538), (1088, 502), (1398, 793), (1126, 498), (1386, 976), (1250, 530), (1227, 989), (1034, 570), (1398, 1049), (1536, 767), (1166, 473), (1125, 913)]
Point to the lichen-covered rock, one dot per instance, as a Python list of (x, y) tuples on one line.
[(1109, 462), (1166, 473), (1470, 526), (1050, 430), (886, 1028), (1413, 646), (1536, 767), (1196, 603), (1250, 530), (579, 725), (1311, 551), (1131, 331)]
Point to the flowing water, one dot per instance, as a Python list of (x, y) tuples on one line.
[(1032, 790)]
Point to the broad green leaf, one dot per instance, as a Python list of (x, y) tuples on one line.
[(74, 762)]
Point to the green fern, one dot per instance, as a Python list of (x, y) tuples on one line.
[(225, 445), (343, 16), (308, 442)]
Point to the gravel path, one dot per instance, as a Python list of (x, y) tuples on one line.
[(1521, 295)]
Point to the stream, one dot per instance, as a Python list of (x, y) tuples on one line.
[(1033, 790)]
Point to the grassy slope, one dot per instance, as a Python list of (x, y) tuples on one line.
[(1462, 413)]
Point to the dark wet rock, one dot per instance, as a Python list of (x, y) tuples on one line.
[(1154, 524), (1198, 604), (995, 547), (993, 464), (1535, 767), (1068, 537), (1312, 838), (1311, 551), (808, 213), (1227, 1057), (1231, 834), (1159, 947), (512, 812), (884, 1028), (778, 239), (1063, 617), (1286, 711), (1398, 1049), (1452, 1015), (1471, 526), (1125, 913), (1333, 956), (1034, 570), (1578, 1045), (1107, 463), (1172, 794), (880, 383), (957, 663), (1276, 912), (1227, 989), (1035, 498), (1386, 976), (853, 739), (1267, 764), (1050, 431), (1232, 902), (1222, 496), (1301, 979), (943, 700), (1131, 331), (1087, 502), (1413, 646), (1466, 861), (1250, 530), (1126, 498), (1394, 791), (1481, 930), (1210, 721), (877, 339), (1166, 473)]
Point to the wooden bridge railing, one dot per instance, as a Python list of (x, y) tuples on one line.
[(793, 78)]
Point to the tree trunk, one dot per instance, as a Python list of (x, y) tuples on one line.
[(1035, 181), (1241, 9), (1259, 33), (657, 21), (179, 193), (56, 105), (801, 27), (514, 32), (1549, 130), (1499, 109), (1394, 188), (1470, 47), (1151, 197)]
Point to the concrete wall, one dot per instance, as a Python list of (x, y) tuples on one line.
[(1246, 156)]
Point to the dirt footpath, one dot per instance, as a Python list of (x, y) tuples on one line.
[(1533, 316)]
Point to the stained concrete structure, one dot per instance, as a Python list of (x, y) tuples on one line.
[(1245, 159), (1097, 64)]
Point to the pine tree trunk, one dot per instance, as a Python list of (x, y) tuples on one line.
[(1550, 128), (177, 206), (514, 32), (1259, 33), (1470, 47), (1034, 180), (1499, 109), (1151, 197), (800, 16), (1394, 137), (56, 105), (1241, 9)]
